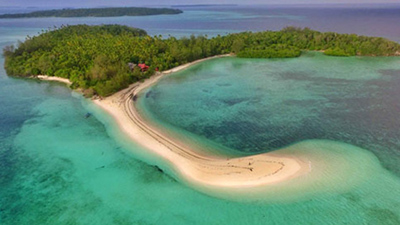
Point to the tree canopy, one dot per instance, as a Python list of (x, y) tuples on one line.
[(96, 58)]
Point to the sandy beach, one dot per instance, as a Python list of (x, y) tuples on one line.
[(198, 168), (58, 79)]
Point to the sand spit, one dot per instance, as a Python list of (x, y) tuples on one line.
[(198, 168), (297, 172)]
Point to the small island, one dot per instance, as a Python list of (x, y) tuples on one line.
[(95, 12), (109, 60), (102, 60)]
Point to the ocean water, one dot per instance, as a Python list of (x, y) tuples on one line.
[(379, 20), (56, 167)]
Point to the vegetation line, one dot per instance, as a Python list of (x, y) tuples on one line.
[(105, 59)]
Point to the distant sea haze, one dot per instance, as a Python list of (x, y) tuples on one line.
[(380, 21)]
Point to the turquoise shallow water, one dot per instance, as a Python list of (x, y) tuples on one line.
[(65, 169), (56, 167), (249, 106), (252, 106)]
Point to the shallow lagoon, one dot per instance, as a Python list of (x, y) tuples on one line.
[(61, 168), (252, 106)]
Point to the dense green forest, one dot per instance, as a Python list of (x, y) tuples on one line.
[(95, 12), (96, 58)]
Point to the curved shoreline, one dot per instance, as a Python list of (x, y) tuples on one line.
[(58, 79), (198, 168), (297, 172)]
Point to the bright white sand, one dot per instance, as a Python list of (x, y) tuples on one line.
[(198, 168), (58, 79)]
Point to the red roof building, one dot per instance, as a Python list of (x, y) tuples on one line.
[(143, 67)]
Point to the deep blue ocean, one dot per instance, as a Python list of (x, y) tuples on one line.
[(57, 167)]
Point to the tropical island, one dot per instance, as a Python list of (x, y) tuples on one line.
[(108, 60), (95, 12), (105, 59)]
